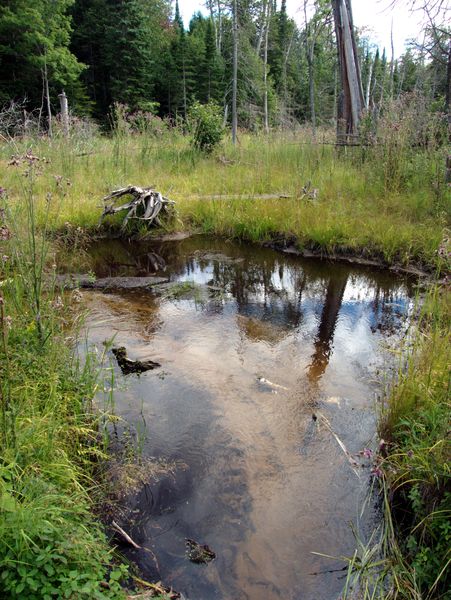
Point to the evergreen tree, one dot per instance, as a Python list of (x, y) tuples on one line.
[(34, 50)]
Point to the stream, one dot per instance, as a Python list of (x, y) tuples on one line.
[(268, 389)]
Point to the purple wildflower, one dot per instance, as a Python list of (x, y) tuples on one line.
[(376, 471)]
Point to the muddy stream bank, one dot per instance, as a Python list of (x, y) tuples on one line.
[(270, 365)]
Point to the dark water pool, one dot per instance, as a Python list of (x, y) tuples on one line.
[(268, 363)]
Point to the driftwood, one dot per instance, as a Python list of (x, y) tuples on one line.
[(86, 281), (145, 205)]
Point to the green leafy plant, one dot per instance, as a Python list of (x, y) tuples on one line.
[(206, 125)]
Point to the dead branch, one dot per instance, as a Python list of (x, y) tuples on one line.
[(145, 205), (124, 535)]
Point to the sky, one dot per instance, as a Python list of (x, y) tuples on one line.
[(376, 15)]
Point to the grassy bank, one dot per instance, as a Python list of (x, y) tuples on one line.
[(367, 204), (50, 544), (416, 463), (50, 443), (387, 202)]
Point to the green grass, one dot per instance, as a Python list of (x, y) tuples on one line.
[(358, 211), (409, 555), (50, 544), (417, 466), (50, 434)]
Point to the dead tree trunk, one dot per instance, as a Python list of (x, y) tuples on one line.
[(351, 101), (265, 65), (448, 86), (368, 83), (235, 72), (64, 113), (47, 96), (219, 45)]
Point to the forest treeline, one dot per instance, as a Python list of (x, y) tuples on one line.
[(139, 53)]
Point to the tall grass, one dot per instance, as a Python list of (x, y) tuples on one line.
[(50, 544), (386, 201), (409, 556), (415, 425)]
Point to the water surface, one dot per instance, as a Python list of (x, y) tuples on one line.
[(264, 358)]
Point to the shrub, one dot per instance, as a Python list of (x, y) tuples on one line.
[(205, 122)]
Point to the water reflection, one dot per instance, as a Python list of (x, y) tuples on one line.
[(265, 484), (329, 316)]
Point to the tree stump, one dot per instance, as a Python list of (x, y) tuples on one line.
[(145, 205)]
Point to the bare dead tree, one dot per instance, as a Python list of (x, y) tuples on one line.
[(351, 101), (235, 72), (219, 26), (392, 62), (265, 65), (45, 82), (433, 7)]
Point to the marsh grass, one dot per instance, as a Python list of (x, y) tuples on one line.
[(416, 427), (386, 201), (383, 201), (408, 556)]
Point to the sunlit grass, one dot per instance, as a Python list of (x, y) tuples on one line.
[(354, 211)]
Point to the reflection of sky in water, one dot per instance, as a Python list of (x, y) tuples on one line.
[(361, 309), (265, 486)]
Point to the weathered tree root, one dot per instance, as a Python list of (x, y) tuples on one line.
[(146, 204)]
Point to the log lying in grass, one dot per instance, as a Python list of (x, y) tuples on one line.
[(145, 205)]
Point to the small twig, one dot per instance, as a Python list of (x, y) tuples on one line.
[(125, 535), (352, 462)]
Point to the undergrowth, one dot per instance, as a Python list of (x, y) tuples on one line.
[(417, 465), (50, 544)]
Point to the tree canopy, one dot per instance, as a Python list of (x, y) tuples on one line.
[(140, 54)]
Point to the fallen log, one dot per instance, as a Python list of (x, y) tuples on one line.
[(145, 205), (86, 281)]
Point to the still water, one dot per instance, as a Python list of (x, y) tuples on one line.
[(269, 372)]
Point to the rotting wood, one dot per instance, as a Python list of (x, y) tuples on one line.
[(86, 281), (146, 204), (129, 366), (351, 100)]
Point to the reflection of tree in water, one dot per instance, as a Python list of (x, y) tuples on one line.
[(271, 292), (389, 309), (258, 294), (329, 316), (113, 258)]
